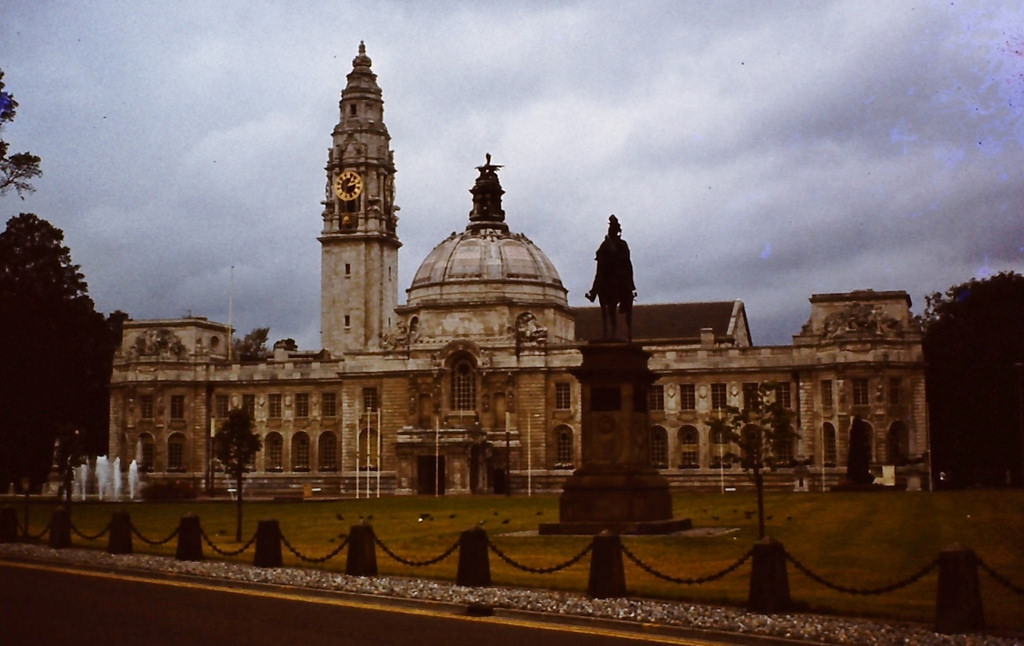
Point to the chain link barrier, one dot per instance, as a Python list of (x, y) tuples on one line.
[(147, 541), (88, 537), (206, 539), (40, 535), (913, 578), (545, 570), (310, 559), (1009, 585), (403, 561), (694, 581)]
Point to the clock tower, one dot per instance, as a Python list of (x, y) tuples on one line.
[(359, 243)]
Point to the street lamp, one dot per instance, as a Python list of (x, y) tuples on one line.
[(1020, 416)]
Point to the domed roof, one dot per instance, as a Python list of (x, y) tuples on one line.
[(487, 262)]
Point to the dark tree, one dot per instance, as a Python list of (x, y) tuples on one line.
[(253, 346), (236, 446), (859, 459), (57, 351), (759, 429), (973, 337), (17, 170)]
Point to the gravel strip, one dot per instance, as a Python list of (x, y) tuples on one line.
[(807, 627)]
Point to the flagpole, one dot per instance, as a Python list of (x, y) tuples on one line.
[(357, 461), (379, 446), (529, 455), (231, 298), (721, 467), (437, 457), (366, 481), (508, 454), (822, 458)]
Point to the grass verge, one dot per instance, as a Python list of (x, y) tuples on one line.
[(856, 540)]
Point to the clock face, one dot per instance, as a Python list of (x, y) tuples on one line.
[(348, 185)]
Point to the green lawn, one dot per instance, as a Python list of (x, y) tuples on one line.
[(857, 540)]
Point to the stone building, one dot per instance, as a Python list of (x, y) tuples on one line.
[(466, 386)]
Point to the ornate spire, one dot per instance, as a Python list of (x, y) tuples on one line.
[(362, 60), (487, 212)]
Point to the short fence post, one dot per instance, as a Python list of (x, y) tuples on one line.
[(190, 544), (474, 566), (120, 540), (607, 576), (958, 608), (362, 551), (268, 544), (60, 528), (769, 584), (9, 525)]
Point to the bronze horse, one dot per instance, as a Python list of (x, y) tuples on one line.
[(613, 282)]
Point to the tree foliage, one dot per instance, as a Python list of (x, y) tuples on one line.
[(253, 346), (16, 170), (235, 446), (973, 337), (759, 429), (57, 351)]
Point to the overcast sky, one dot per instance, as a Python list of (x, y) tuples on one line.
[(761, 151)]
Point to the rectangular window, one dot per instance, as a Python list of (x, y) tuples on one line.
[(330, 408), (751, 394), (656, 398), (220, 407), (894, 391), (274, 405), (826, 394), (302, 405), (784, 394), (249, 405), (860, 392), (687, 397), (563, 395), (718, 396), (146, 406), (177, 406), (370, 399)]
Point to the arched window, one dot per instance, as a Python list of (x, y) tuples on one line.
[(463, 385), (899, 440), (659, 448), (368, 455), (145, 452), (300, 452), (275, 450), (176, 452), (563, 448), (828, 433), (327, 451), (689, 448), (720, 449)]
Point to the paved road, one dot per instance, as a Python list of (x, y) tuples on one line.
[(56, 605)]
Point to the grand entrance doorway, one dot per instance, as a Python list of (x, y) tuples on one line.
[(430, 475)]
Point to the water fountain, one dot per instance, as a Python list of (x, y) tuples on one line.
[(133, 479), (103, 479), (118, 478), (81, 483)]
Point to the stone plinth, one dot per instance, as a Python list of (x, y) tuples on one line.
[(615, 488)]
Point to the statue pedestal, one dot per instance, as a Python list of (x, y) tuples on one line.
[(615, 489)]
